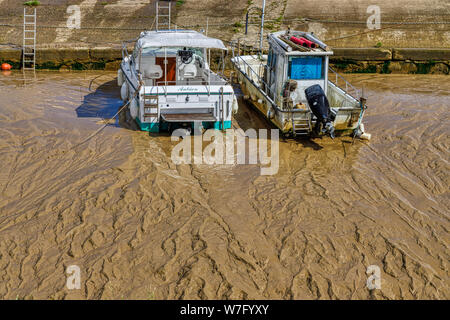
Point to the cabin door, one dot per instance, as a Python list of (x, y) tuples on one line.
[(171, 70)]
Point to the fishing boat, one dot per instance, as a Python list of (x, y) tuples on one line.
[(290, 86), (168, 83)]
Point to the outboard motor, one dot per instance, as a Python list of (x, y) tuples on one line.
[(320, 107)]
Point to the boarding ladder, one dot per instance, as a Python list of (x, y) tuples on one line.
[(29, 40), (164, 12), (301, 127), (151, 106)]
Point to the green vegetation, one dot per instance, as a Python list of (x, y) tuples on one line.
[(270, 26), (77, 66), (351, 66), (369, 69), (180, 2), (97, 65), (48, 65), (424, 68), (344, 64), (237, 27), (378, 45), (33, 3), (385, 68)]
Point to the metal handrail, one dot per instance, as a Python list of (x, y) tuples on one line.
[(191, 83), (347, 84), (266, 86)]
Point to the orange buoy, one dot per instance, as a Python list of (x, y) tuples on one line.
[(6, 66)]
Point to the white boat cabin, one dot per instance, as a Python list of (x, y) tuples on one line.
[(285, 86), (169, 79)]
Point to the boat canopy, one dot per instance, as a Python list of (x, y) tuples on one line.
[(178, 38)]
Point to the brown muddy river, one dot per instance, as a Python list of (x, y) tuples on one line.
[(141, 227)]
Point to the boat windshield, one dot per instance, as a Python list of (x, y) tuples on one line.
[(306, 68), (170, 51)]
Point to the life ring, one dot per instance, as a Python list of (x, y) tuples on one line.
[(124, 92), (119, 77)]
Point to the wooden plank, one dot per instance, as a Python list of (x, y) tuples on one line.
[(182, 117)]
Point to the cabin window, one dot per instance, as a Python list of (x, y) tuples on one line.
[(305, 68)]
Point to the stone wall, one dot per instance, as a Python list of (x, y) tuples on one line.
[(396, 60), (358, 60), (340, 23)]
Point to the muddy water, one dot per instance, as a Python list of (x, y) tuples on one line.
[(139, 226)]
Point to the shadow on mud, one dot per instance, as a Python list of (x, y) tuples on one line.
[(104, 102)]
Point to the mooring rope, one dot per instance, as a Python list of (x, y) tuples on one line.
[(106, 123)]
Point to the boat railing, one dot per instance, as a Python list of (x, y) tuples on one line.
[(165, 84), (349, 88), (249, 68)]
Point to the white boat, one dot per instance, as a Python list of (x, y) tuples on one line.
[(291, 87), (168, 82)]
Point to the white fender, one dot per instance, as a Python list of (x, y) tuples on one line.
[(119, 77), (124, 91), (134, 109), (235, 105), (270, 113), (365, 136)]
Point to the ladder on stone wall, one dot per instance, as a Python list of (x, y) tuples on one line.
[(29, 40), (163, 15)]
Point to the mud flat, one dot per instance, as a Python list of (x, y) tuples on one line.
[(141, 227)]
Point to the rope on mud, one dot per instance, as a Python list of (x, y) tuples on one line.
[(92, 81), (107, 122)]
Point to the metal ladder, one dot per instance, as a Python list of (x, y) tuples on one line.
[(151, 106), (301, 126), (165, 13), (29, 40)]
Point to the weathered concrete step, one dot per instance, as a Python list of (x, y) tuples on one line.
[(420, 54)]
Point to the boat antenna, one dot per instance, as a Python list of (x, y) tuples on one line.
[(262, 27)]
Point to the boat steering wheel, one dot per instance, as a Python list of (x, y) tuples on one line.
[(186, 56)]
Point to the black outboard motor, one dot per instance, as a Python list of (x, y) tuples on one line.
[(320, 107)]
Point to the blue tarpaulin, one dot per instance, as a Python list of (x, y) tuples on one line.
[(305, 68)]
